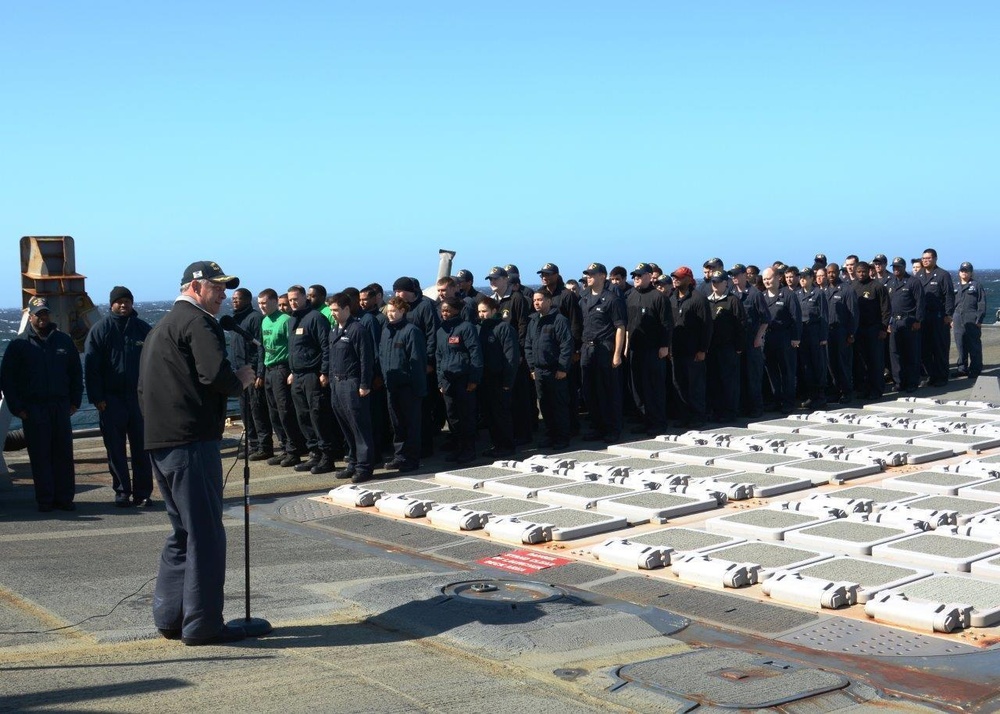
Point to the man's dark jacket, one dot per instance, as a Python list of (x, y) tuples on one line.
[(242, 350), (308, 341), (111, 356), (36, 369), (185, 379)]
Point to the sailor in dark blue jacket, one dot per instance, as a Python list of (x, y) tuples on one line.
[(648, 333), (689, 345), (707, 268), (843, 305), (515, 309), (939, 304), (402, 352), (351, 371), (604, 326), (548, 350), (782, 339), (879, 270), (906, 308), (752, 359), (111, 365), (882, 274), (253, 401), (459, 363), (873, 328), (308, 360), (375, 321), (42, 383), (567, 303), (501, 359), (728, 341), (815, 334), (448, 287), (423, 315), (970, 309)]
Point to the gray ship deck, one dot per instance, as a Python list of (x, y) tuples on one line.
[(373, 612)]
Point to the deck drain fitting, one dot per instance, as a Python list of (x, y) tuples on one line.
[(503, 591)]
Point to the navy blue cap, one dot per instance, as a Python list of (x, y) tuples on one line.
[(37, 305)]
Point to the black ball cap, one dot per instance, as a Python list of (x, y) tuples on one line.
[(209, 270)]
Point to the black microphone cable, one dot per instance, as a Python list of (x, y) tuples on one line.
[(86, 619), (132, 594), (236, 459)]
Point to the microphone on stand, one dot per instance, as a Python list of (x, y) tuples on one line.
[(253, 626), (227, 323)]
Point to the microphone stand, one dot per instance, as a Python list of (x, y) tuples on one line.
[(253, 626)]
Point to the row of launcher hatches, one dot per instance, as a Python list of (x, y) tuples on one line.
[(546, 483)]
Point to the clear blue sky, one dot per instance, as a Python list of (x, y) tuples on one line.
[(341, 142)]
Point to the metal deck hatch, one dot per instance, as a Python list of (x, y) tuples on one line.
[(731, 679), (502, 592)]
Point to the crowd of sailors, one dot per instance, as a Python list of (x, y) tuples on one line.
[(369, 378)]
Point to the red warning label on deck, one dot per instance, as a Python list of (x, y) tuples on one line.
[(523, 561)]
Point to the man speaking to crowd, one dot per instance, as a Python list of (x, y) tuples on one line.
[(184, 382)]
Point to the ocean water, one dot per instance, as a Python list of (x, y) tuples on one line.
[(151, 312), (87, 417)]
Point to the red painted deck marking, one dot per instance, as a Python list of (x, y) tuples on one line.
[(523, 561)]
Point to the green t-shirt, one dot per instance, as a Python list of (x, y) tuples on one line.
[(274, 334)]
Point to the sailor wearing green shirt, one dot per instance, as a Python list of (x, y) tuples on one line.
[(317, 298), (274, 367)]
